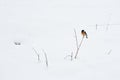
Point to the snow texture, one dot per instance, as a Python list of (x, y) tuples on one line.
[(27, 27)]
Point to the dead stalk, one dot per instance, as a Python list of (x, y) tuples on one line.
[(107, 27), (109, 52), (46, 59), (38, 56), (78, 48), (76, 38), (71, 56), (96, 26)]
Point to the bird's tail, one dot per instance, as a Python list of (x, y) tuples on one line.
[(86, 35)]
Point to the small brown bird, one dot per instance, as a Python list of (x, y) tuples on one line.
[(83, 32)]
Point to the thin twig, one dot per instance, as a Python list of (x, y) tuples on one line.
[(67, 56), (107, 26), (109, 51), (76, 38), (96, 26), (79, 47), (71, 56), (36, 54), (46, 59)]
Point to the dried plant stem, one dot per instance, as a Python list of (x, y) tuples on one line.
[(107, 27), (109, 51), (46, 59), (96, 26), (76, 38), (79, 47), (38, 56), (71, 56)]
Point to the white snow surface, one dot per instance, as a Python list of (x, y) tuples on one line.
[(49, 25)]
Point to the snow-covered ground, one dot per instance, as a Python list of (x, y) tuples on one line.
[(49, 25)]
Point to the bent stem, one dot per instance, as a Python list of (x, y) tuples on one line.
[(76, 38), (38, 56), (69, 56), (46, 59), (79, 47)]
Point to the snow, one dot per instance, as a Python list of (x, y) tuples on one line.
[(49, 25)]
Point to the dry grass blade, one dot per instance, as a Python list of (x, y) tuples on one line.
[(96, 26), (46, 59), (69, 56), (109, 52), (78, 48), (38, 56), (76, 38)]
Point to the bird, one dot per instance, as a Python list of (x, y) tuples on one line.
[(83, 32)]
